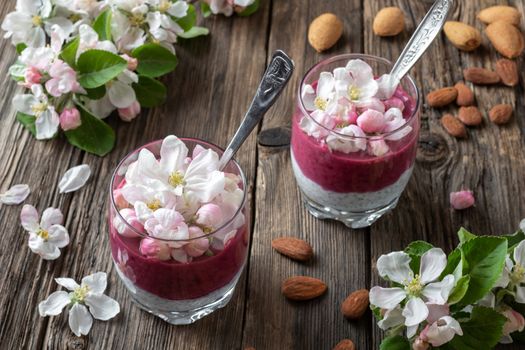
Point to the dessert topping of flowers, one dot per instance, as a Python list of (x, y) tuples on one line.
[(353, 104), (177, 200)]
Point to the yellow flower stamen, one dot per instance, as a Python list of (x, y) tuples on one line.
[(354, 93), (74, 18), (176, 179), (320, 103), (517, 275), (137, 19), (164, 6), (38, 109), (79, 294), (43, 234), (154, 205), (37, 21), (414, 287)]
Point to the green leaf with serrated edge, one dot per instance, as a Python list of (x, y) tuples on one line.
[(395, 343), (154, 60), (465, 235), (453, 266), (20, 48), (93, 135), (17, 71), (194, 32), (97, 67), (96, 93), (28, 121), (150, 92), (481, 332), (205, 9), (459, 290), (69, 53), (102, 25), (515, 239), (189, 20), (416, 250), (483, 259), (250, 9)]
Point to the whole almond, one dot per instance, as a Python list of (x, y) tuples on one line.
[(470, 115), (324, 31), (508, 72), (345, 344), (293, 248), (465, 95), (506, 39), (453, 126), (500, 114), (492, 14), (303, 288), (355, 305), (462, 36), (389, 21), (481, 76), (442, 97)]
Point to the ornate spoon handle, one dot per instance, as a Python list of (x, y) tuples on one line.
[(425, 33), (272, 84)]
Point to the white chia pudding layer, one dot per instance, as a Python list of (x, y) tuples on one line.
[(354, 202)]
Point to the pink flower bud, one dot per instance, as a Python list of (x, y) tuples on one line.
[(462, 199), (32, 76), (371, 121), (209, 215), (198, 246), (352, 117), (155, 249), (132, 62), (129, 113), (394, 102), (125, 227), (515, 322), (420, 344), (70, 119)]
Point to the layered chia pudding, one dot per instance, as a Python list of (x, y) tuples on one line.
[(354, 138), (179, 228)]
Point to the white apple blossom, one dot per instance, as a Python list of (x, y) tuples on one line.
[(356, 81), (441, 331), (15, 195), (322, 96), (226, 7), (37, 104), (161, 19), (89, 40), (89, 295), (417, 289), (46, 236), (355, 140), (513, 276), (167, 224)]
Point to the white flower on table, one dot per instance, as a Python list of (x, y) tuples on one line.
[(46, 236), (89, 293), (417, 289), (36, 104), (513, 276), (15, 195), (356, 81)]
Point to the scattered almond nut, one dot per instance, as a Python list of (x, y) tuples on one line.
[(465, 95), (481, 76), (389, 21), (293, 248), (355, 305), (492, 14), (508, 72), (506, 39), (324, 31), (442, 97), (462, 36), (500, 114), (345, 344), (453, 126), (470, 115), (303, 288)]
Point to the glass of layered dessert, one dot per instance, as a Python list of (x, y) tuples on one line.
[(179, 228), (354, 138)]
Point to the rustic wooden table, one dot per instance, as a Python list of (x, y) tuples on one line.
[(208, 95)]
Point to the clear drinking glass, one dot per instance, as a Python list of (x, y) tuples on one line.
[(355, 188), (180, 293)]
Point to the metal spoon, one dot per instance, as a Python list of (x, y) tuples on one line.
[(272, 84), (424, 35)]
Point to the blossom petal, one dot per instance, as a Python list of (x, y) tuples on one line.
[(80, 321), (96, 282), (435, 312), (46, 125), (391, 319), (121, 95), (50, 217), (54, 304), (438, 292), (67, 283), (15, 195), (520, 294), (387, 85), (519, 253), (438, 335), (23, 103), (58, 236), (433, 263), (180, 255), (415, 312), (395, 266), (308, 96), (173, 153), (178, 9), (29, 218), (102, 307), (386, 298), (74, 179), (325, 85)]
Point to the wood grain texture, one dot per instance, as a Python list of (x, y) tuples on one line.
[(208, 95)]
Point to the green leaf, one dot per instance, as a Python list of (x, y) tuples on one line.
[(20, 48), (97, 67), (93, 136), (205, 9), (454, 266), (395, 343), (28, 121), (459, 290), (17, 71), (150, 92), (154, 60), (483, 259), (194, 32), (515, 239), (250, 9), (96, 93), (465, 236), (69, 53), (481, 332), (102, 25), (416, 249), (189, 20)]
